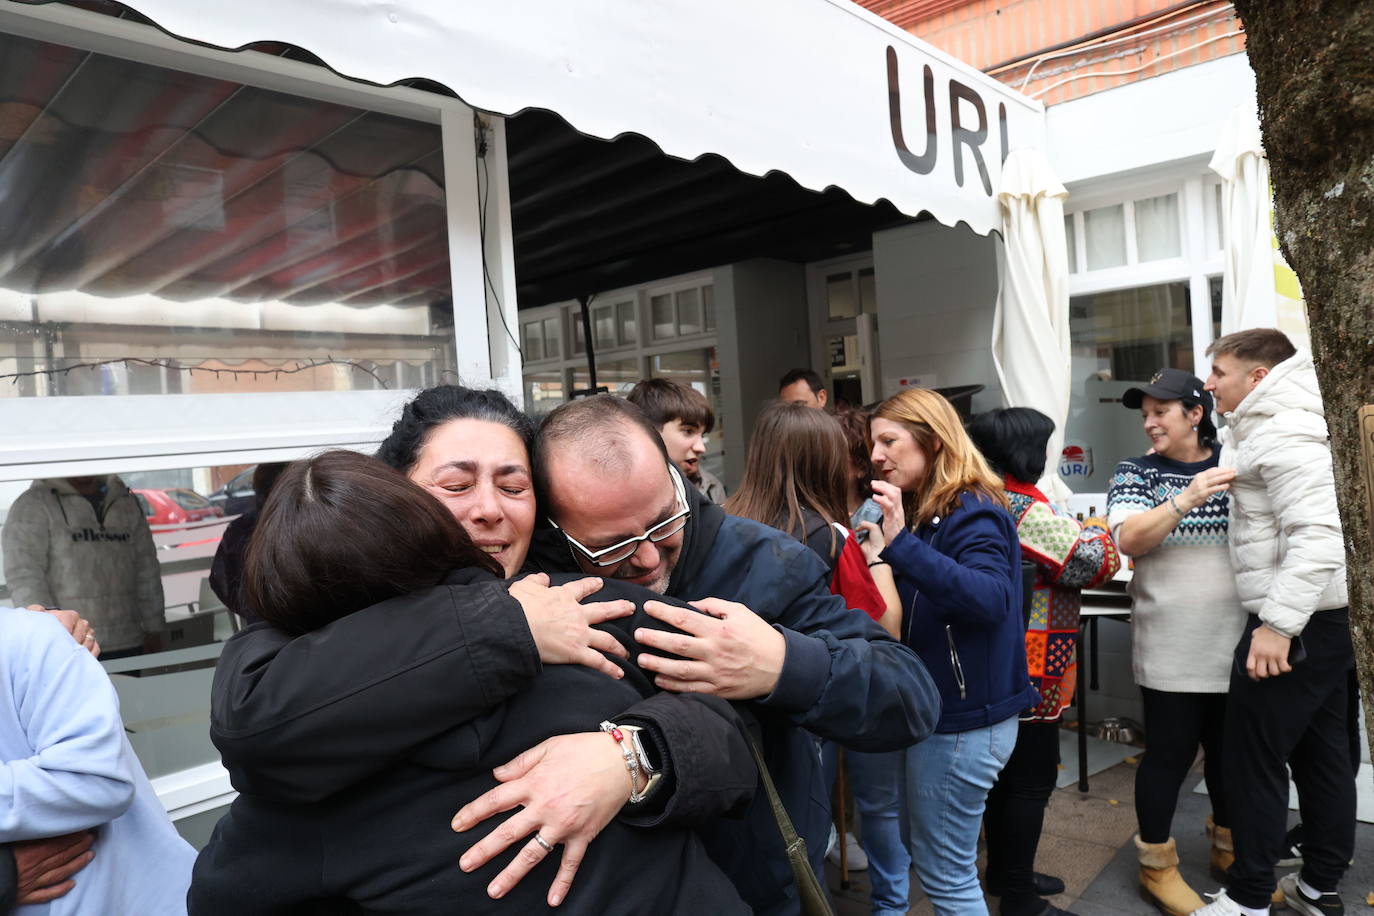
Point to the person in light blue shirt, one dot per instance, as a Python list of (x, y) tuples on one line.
[(66, 766)]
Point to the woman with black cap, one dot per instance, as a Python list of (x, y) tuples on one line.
[(1168, 510)]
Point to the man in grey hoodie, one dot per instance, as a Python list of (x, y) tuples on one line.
[(1288, 702), (84, 543)]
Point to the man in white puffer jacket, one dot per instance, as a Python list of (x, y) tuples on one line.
[(1288, 702)]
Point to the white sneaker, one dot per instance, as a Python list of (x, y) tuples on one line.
[(1327, 904), (858, 861), (1221, 905)]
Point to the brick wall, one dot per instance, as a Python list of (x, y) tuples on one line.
[(1121, 41)]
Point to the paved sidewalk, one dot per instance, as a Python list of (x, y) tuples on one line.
[(1087, 842)]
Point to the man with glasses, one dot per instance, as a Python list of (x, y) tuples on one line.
[(622, 553), (769, 630)]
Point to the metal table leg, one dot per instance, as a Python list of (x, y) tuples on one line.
[(1081, 705)]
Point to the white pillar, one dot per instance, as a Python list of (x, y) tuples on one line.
[(485, 311), (503, 318)]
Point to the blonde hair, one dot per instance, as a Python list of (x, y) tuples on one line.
[(954, 462)]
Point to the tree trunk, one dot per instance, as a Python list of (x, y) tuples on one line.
[(1314, 67)]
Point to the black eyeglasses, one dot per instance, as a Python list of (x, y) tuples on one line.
[(622, 551)]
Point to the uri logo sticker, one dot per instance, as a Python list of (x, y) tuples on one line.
[(1076, 461)]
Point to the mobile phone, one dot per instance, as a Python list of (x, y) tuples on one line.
[(870, 511), (1297, 652)]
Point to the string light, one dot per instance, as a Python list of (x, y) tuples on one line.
[(276, 373)]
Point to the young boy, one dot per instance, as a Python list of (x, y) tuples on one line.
[(683, 419)]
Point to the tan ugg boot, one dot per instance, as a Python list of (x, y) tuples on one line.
[(1223, 851), (1160, 882)]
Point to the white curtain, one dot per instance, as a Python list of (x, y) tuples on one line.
[(1157, 234), (1030, 332), (1258, 289)]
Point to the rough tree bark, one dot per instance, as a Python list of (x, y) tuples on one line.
[(1314, 66)]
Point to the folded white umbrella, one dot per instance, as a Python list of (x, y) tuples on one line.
[(1258, 288), (1030, 332)]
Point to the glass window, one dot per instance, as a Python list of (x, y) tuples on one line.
[(553, 343), (1105, 232), (188, 499), (664, 321), (1214, 294), (543, 392), (839, 296), (533, 345), (626, 331), (616, 376), (868, 291), (1071, 242), (689, 312), (708, 305), (1216, 227), (175, 236), (1157, 232), (603, 326), (579, 340), (1118, 340)]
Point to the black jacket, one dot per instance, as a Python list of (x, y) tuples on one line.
[(349, 774)]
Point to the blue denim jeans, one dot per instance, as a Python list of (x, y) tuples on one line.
[(947, 781), (876, 780)]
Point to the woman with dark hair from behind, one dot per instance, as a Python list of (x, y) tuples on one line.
[(1168, 509), (795, 475), (344, 535), (1067, 558)]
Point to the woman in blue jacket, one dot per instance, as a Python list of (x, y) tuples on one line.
[(954, 550)]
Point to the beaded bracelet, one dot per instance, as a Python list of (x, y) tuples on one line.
[(631, 762)]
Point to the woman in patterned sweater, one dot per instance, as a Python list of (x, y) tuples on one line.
[(1168, 510), (1067, 558)]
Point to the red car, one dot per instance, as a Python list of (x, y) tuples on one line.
[(175, 507)]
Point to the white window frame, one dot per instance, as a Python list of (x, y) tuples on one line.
[(642, 349), (1198, 263), (275, 426), (654, 345)]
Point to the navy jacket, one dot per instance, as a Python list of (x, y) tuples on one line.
[(960, 582), (844, 678)]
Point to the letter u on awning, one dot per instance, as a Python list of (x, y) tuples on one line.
[(822, 90)]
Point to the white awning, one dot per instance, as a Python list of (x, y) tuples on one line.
[(822, 90)]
